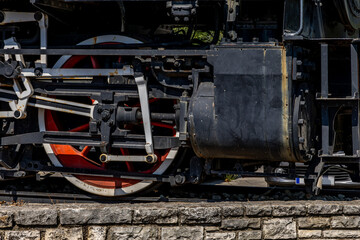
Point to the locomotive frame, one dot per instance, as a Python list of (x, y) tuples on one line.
[(255, 99)]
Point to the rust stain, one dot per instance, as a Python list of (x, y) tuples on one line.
[(4, 218), (114, 73), (94, 40), (286, 149)]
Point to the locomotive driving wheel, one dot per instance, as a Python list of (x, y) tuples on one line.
[(87, 157), (349, 11)]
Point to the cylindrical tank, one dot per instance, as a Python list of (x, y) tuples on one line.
[(244, 113)]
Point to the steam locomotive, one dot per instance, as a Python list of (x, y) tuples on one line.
[(117, 96)]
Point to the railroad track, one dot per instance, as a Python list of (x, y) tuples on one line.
[(63, 192)]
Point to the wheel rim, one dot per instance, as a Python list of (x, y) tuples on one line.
[(69, 156)]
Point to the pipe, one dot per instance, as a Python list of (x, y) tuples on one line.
[(293, 34)]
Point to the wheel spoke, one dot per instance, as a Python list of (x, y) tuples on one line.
[(163, 125), (94, 62), (73, 61), (80, 128), (86, 150), (91, 161), (151, 100), (130, 166)]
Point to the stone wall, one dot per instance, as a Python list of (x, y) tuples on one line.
[(225, 220)]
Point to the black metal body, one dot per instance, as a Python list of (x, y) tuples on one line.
[(281, 85)]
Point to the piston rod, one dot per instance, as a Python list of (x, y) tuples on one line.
[(127, 158), (129, 114)]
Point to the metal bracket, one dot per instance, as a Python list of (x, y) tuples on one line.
[(183, 10), (17, 17), (141, 83), (18, 107), (232, 10), (43, 21), (313, 176), (184, 104)]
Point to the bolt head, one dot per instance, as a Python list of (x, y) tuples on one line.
[(103, 157), (111, 123), (105, 115), (38, 72), (179, 179), (38, 16), (9, 70), (149, 159), (17, 114)]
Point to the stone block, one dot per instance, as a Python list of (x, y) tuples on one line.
[(279, 228), (133, 233), (341, 234), (309, 234), (96, 233), (182, 233), (22, 235), (6, 218), (258, 210), (345, 222), (240, 223), (31, 215), (313, 222), (212, 229), (196, 215), (351, 209), (232, 211), (64, 234), (220, 236), (249, 235), (156, 215), (324, 209), (95, 215), (282, 210)]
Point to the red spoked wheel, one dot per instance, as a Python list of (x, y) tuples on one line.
[(87, 157)]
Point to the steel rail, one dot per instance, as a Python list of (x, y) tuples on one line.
[(46, 197)]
